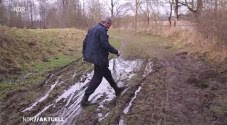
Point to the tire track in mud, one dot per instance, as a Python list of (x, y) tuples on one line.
[(160, 92), (124, 103), (147, 71), (171, 97)]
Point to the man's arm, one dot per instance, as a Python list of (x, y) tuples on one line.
[(85, 43), (105, 42)]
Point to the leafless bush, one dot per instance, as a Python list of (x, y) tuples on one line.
[(213, 25)]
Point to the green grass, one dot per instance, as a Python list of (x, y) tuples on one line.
[(53, 63), (220, 106), (137, 45), (116, 43), (39, 73), (4, 86), (25, 49), (58, 46)]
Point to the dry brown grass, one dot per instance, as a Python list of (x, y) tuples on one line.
[(213, 25), (20, 48), (195, 41)]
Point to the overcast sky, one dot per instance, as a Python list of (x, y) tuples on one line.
[(163, 10)]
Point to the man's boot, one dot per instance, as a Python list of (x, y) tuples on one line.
[(119, 90), (84, 102)]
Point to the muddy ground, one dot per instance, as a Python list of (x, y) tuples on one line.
[(173, 88), (180, 90)]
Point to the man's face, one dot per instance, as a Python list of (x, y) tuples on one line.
[(108, 24)]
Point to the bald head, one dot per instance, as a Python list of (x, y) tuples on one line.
[(107, 22)]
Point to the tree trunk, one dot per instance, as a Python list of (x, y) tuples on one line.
[(176, 12), (148, 14), (193, 5), (31, 12), (83, 9), (112, 9), (136, 14), (199, 9), (170, 13), (216, 7)]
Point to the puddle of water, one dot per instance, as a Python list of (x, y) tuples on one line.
[(148, 68), (39, 113), (74, 75), (121, 122), (101, 117), (75, 87), (122, 70), (70, 99), (42, 98), (48, 79), (125, 111)]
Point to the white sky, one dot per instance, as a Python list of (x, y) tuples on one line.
[(163, 10)]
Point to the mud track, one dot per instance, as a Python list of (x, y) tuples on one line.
[(179, 90), (175, 89), (183, 91)]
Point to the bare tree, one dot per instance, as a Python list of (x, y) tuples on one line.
[(31, 8), (215, 7), (149, 10), (176, 10), (2, 9), (43, 12), (199, 7), (83, 8), (112, 8), (95, 11), (136, 9), (170, 11)]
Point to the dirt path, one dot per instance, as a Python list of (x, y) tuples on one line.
[(178, 89), (167, 87), (184, 90), (179, 93)]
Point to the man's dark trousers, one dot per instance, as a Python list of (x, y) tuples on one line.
[(99, 73)]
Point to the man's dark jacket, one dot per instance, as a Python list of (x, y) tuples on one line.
[(96, 46)]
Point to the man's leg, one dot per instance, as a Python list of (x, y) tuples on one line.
[(93, 84), (108, 76)]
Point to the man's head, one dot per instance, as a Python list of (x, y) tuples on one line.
[(107, 22)]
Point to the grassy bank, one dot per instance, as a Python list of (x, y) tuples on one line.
[(22, 48), (29, 57), (195, 42)]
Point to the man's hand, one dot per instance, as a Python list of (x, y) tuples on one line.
[(83, 59), (119, 53)]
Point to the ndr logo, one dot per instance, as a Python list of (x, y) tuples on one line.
[(19, 9)]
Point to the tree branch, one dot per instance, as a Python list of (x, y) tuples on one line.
[(189, 8)]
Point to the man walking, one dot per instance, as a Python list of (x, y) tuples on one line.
[(96, 48)]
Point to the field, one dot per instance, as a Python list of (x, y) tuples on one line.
[(166, 83)]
